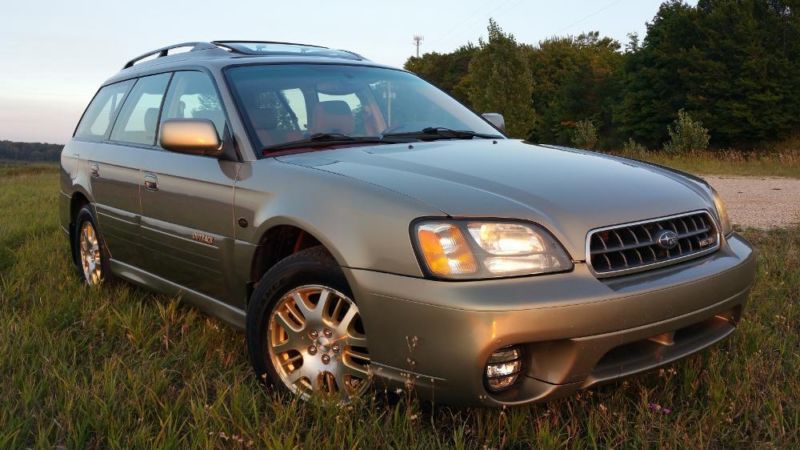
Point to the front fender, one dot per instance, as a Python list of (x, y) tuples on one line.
[(362, 225)]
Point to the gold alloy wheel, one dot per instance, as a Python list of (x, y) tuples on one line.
[(90, 254), (316, 343)]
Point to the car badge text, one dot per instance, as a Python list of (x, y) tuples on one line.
[(204, 238)]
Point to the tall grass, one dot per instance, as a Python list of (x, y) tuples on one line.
[(119, 367), (784, 163)]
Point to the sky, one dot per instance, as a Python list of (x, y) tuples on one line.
[(54, 54)]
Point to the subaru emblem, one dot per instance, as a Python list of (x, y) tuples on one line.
[(667, 239)]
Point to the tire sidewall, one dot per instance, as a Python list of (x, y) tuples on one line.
[(308, 267)]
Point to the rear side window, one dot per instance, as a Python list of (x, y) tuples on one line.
[(138, 120), (192, 96), (101, 111)]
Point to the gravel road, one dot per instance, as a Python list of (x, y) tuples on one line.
[(759, 202)]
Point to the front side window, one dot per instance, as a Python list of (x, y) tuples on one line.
[(101, 111), (138, 121), (192, 95), (290, 103)]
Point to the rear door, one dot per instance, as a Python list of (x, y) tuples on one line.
[(113, 173), (116, 168), (187, 200)]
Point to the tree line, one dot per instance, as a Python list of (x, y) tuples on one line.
[(28, 151), (731, 65)]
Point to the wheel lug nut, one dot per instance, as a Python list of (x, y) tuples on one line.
[(326, 359), (335, 348), (312, 350), (328, 333), (314, 334)]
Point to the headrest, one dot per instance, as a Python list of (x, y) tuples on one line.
[(263, 118), (333, 116), (150, 119)]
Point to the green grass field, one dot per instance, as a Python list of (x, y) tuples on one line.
[(119, 367)]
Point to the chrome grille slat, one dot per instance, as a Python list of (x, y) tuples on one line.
[(634, 247), (694, 224), (649, 243)]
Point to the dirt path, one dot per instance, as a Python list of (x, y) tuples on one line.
[(759, 202)]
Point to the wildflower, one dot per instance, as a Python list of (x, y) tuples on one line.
[(658, 408)]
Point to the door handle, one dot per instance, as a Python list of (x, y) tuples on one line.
[(94, 170), (150, 181)]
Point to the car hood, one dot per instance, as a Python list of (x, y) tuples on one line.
[(568, 191)]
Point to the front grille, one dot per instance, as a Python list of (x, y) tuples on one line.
[(649, 244)]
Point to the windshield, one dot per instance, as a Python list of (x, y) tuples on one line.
[(285, 103)]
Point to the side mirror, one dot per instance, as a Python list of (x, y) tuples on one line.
[(192, 136), (495, 119)]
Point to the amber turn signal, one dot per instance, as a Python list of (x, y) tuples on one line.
[(445, 250)]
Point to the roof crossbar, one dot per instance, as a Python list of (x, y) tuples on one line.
[(240, 47), (164, 51)]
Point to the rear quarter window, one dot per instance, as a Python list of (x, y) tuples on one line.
[(100, 113)]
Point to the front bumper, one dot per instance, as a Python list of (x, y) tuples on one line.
[(576, 330)]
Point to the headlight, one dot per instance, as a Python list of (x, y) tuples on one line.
[(474, 250), (722, 213)]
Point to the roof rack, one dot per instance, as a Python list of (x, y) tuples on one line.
[(241, 48), (164, 51)]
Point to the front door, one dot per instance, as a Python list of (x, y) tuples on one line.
[(187, 220)]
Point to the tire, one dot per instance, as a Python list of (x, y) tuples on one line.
[(304, 332), (97, 271)]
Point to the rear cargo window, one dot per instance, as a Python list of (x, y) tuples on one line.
[(101, 111)]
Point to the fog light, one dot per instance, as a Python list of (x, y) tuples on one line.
[(503, 368)]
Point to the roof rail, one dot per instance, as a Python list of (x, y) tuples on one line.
[(164, 51), (231, 44)]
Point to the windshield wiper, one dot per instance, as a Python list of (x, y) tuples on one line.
[(328, 139), (435, 133)]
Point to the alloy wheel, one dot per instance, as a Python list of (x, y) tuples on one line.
[(317, 344), (89, 247)]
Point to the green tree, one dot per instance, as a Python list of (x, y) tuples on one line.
[(501, 81), (734, 64), (656, 74), (745, 86), (575, 79), (447, 71)]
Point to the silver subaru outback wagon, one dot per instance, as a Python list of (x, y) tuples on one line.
[(363, 227)]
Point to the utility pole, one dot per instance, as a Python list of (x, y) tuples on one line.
[(418, 38)]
